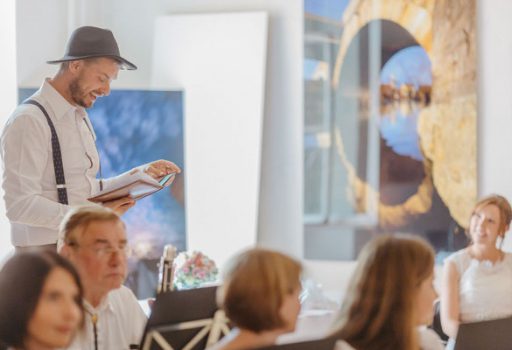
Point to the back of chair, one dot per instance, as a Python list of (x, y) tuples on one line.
[(318, 344), (184, 319), (436, 324), (485, 335)]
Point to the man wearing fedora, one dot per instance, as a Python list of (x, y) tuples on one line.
[(48, 146)]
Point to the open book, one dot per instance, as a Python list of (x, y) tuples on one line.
[(136, 184)]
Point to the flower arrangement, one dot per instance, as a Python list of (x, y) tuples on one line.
[(194, 269)]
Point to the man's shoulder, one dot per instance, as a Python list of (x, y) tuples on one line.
[(127, 311), (122, 295), (123, 301), (28, 114)]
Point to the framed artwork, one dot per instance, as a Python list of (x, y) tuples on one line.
[(133, 128), (389, 122)]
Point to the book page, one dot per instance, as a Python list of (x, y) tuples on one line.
[(126, 179), (135, 184)]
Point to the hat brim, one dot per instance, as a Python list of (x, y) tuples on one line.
[(123, 63)]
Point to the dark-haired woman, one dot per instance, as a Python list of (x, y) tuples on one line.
[(40, 302)]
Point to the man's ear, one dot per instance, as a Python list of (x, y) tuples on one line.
[(65, 251), (75, 66)]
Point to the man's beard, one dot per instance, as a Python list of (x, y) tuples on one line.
[(77, 94)]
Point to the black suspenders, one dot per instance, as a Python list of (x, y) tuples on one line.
[(57, 156)]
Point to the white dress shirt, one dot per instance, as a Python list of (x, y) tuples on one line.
[(120, 323), (29, 178)]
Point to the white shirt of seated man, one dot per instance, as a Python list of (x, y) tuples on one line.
[(99, 254)]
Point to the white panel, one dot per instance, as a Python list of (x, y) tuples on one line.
[(8, 91), (219, 60)]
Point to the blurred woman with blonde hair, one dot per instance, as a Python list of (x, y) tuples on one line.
[(391, 294), (260, 296)]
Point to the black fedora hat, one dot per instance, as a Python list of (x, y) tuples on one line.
[(89, 42)]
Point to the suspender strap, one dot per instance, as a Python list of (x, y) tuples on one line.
[(57, 156)]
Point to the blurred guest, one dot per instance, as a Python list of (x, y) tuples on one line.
[(390, 297), (477, 280), (40, 302), (94, 240), (260, 296)]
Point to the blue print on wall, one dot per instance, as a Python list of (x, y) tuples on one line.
[(134, 127)]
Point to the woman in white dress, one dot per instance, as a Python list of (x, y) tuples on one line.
[(390, 297), (477, 280)]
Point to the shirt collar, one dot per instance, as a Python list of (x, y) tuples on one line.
[(105, 304), (56, 101)]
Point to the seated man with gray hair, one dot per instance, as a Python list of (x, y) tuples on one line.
[(94, 240)]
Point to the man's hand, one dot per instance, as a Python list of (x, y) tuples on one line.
[(121, 205), (160, 168)]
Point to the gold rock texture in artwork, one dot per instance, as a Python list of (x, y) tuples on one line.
[(447, 128), (447, 135), (415, 16)]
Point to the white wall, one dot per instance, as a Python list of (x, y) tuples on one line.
[(280, 208), (41, 34), (495, 99), (280, 222), (7, 92)]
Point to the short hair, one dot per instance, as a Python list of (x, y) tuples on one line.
[(64, 66), (78, 219), (255, 285), (504, 209), (21, 282), (379, 309)]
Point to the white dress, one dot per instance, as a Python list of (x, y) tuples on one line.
[(485, 289)]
